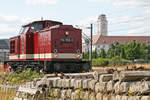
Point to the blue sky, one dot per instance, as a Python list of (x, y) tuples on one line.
[(125, 17)]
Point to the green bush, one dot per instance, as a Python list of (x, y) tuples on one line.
[(118, 61), (100, 62), (110, 62), (22, 77)]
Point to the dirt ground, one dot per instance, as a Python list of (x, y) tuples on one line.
[(100, 68), (146, 66)]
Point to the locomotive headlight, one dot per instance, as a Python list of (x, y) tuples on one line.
[(66, 33), (78, 55), (55, 53)]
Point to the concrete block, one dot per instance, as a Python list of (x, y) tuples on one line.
[(124, 87), (99, 96), (92, 96), (113, 97), (124, 98), (77, 94), (59, 84), (136, 98), (78, 83), (63, 94), (145, 87), (117, 87), (68, 93), (91, 84), (67, 83), (73, 96), (135, 87), (110, 86), (57, 93), (85, 83), (72, 83), (145, 98), (118, 97), (105, 97), (96, 75), (105, 77), (103, 87), (86, 95), (97, 87)]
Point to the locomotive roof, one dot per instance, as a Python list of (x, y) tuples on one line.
[(42, 21)]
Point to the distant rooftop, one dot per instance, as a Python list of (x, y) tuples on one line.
[(4, 43), (99, 39)]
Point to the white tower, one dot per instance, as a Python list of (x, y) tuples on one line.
[(102, 25)]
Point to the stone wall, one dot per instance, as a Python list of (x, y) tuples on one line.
[(94, 86)]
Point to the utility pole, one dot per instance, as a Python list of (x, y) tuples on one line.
[(91, 43)]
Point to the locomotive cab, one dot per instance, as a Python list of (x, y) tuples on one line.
[(38, 25)]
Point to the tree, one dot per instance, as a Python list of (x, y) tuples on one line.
[(132, 50), (85, 55), (102, 53), (122, 53), (94, 54), (110, 53)]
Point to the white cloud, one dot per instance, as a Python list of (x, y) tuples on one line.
[(86, 21), (98, 0), (122, 25), (140, 31), (39, 2), (10, 25), (147, 11), (119, 20), (136, 26), (132, 3), (126, 3)]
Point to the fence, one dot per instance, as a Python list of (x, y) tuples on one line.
[(8, 92)]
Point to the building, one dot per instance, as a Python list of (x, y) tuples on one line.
[(105, 42), (102, 25), (4, 49), (102, 40)]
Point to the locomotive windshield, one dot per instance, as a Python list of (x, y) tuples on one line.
[(24, 30), (37, 27)]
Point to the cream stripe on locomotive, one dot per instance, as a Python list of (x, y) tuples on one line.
[(46, 55)]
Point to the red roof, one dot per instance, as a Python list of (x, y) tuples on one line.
[(95, 38), (99, 39)]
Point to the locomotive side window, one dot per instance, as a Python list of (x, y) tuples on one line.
[(37, 27), (22, 46), (12, 46)]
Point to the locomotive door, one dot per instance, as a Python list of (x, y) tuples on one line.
[(18, 46), (30, 46)]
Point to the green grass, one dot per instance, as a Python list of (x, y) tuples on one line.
[(20, 78)]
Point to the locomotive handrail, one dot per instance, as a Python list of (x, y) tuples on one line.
[(86, 37)]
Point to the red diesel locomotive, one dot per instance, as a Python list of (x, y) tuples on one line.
[(48, 45)]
